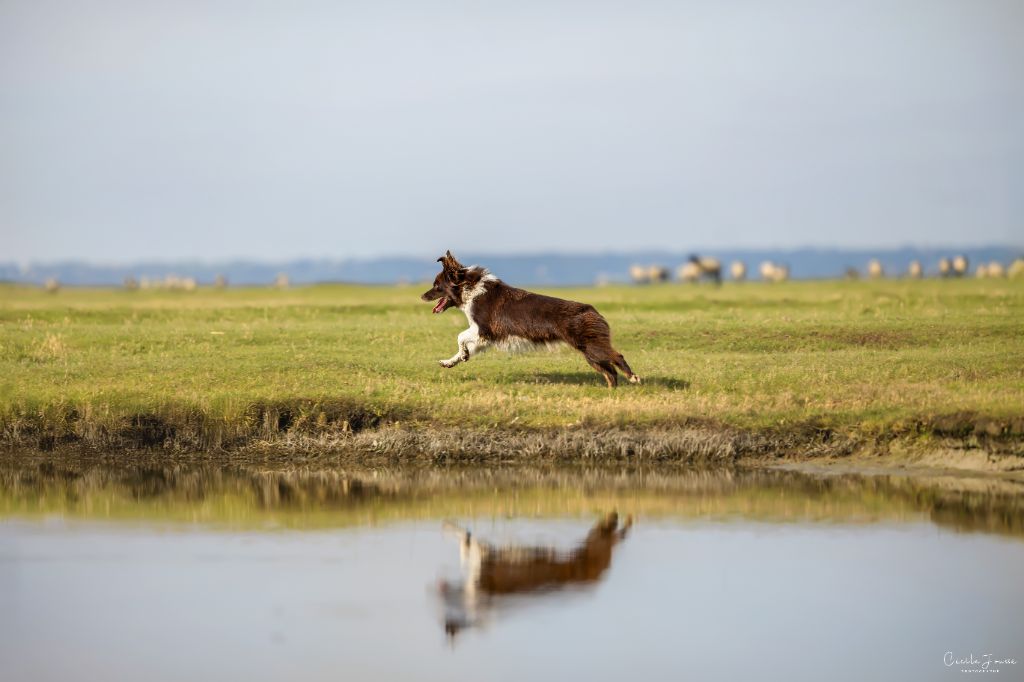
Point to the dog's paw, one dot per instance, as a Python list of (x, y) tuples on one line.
[(447, 364), (635, 380)]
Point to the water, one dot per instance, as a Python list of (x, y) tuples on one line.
[(222, 572)]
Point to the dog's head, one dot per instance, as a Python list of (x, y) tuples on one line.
[(451, 284)]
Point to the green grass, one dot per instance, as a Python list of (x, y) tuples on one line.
[(867, 357)]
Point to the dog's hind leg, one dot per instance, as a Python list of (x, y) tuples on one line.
[(606, 368)]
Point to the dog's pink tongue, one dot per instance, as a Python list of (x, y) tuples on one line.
[(439, 308)]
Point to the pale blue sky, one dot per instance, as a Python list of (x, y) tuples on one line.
[(269, 130)]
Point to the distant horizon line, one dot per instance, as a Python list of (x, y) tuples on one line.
[(707, 250)]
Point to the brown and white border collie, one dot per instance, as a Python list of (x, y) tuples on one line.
[(509, 317)]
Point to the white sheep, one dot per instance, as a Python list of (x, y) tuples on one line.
[(657, 273), (688, 272), (709, 267), (638, 273), (771, 272), (960, 265)]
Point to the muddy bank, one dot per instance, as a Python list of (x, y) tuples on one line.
[(352, 431)]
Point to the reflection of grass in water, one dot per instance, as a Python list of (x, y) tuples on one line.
[(251, 497)]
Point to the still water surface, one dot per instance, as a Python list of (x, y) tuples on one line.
[(225, 572)]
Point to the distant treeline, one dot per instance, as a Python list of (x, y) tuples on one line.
[(536, 269)]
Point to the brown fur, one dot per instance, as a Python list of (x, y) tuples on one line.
[(502, 312), (507, 570), (499, 571)]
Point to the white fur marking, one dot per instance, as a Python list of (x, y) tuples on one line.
[(517, 344), (469, 340)]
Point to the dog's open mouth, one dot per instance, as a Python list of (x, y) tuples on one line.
[(441, 306)]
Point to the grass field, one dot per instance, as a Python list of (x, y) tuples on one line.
[(232, 365)]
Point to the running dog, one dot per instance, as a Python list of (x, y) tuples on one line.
[(512, 318)]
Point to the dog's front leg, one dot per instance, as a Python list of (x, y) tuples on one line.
[(463, 353), (469, 342)]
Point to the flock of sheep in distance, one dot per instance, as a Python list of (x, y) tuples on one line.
[(171, 283), (709, 269), (696, 269)]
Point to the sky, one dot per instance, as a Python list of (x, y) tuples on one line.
[(217, 130)]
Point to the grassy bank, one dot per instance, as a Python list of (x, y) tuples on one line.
[(823, 366)]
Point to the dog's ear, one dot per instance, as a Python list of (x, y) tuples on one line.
[(450, 264)]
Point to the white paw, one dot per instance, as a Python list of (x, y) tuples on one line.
[(447, 364), (634, 379)]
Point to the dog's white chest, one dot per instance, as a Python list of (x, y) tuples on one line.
[(468, 310), (471, 335)]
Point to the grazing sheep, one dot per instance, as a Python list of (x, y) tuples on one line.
[(1016, 269), (738, 270), (638, 274), (981, 272), (709, 268), (51, 285), (915, 271), (960, 265), (996, 269), (657, 273), (771, 272), (175, 283), (648, 274), (875, 270), (688, 272), (945, 267)]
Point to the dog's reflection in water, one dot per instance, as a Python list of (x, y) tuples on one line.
[(491, 572)]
